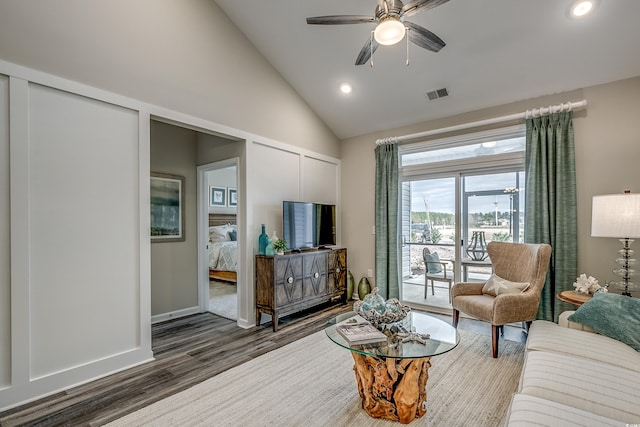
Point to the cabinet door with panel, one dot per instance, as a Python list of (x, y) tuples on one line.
[(338, 272), (288, 279)]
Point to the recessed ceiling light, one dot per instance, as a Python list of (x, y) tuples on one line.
[(345, 88), (582, 8)]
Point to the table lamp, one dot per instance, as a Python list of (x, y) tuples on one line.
[(618, 215)]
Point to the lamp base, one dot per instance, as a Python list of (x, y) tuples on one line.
[(625, 271)]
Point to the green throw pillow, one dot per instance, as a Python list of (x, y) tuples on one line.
[(612, 315), (433, 263)]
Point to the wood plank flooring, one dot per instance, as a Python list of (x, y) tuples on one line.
[(187, 351)]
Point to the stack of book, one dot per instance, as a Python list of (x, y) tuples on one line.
[(360, 333)]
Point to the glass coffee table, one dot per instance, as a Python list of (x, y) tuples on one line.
[(392, 376)]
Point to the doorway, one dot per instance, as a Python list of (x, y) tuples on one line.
[(218, 237)]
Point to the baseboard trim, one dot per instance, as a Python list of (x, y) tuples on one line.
[(175, 314)]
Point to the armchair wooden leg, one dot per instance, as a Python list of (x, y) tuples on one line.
[(433, 289), (495, 336), (528, 325), (456, 317)]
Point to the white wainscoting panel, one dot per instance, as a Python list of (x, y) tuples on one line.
[(275, 176), (83, 230), (320, 180), (5, 238)]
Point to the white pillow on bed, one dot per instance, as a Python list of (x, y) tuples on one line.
[(219, 233)]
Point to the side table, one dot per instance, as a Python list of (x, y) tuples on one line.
[(573, 297)]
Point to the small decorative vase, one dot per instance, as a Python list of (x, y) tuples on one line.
[(263, 241), (477, 249), (351, 284), (364, 288), (269, 249)]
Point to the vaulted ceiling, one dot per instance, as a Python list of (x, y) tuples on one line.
[(497, 51)]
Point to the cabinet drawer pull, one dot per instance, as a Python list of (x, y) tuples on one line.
[(289, 279), (316, 275), (337, 270)]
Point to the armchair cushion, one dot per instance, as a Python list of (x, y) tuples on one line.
[(497, 286), (615, 316), (433, 263)]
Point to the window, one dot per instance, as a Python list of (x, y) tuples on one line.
[(452, 188)]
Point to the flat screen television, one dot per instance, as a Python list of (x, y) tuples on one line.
[(308, 225)]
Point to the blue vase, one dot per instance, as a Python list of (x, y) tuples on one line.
[(263, 241), (269, 249)]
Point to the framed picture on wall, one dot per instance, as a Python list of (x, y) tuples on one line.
[(232, 197), (217, 196), (167, 208)]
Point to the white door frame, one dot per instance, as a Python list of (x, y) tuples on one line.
[(203, 228)]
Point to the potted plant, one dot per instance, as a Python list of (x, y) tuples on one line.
[(280, 245)]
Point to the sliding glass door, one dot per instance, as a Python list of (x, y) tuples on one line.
[(457, 195), (428, 222)]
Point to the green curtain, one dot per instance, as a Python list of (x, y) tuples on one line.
[(550, 198), (387, 220)]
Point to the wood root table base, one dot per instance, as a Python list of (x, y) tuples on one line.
[(392, 388)]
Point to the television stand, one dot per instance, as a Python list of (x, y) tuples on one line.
[(293, 282)]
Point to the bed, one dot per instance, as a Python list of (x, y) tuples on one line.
[(223, 247)]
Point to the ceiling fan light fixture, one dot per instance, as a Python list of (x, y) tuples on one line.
[(389, 31)]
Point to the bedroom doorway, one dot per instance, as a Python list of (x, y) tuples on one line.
[(218, 234)]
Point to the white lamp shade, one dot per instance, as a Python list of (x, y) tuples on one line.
[(616, 215), (389, 31)]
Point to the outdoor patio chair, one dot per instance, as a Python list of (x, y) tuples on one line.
[(436, 270)]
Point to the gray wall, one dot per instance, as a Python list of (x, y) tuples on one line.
[(183, 55), (607, 153), (174, 267)]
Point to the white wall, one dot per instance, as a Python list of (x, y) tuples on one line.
[(223, 178), (5, 241), (180, 61), (78, 305), (607, 152), (184, 55), (275, 173)]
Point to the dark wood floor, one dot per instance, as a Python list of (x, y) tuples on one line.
[(187, 351)]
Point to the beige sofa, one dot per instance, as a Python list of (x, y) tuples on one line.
[(575, 377)]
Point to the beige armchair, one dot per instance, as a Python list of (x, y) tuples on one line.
[(442, 274), (515, 262)]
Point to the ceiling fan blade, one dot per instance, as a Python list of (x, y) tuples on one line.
[(424, 38), (367, 50), (340, 19), (416, 6)]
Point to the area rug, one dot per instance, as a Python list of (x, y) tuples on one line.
[(310, 382)]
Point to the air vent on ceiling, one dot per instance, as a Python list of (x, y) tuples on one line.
[(437, 94)]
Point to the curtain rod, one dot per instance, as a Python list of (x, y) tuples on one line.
[(569, 106)]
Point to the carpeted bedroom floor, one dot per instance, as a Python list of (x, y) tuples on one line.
[(223, 299)]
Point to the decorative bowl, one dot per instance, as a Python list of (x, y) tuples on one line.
[(386, 317)]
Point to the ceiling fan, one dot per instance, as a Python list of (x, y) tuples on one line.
[(390, 26)]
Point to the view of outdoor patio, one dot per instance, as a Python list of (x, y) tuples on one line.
[(490, 209)]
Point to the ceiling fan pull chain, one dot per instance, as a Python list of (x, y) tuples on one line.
[(371, 48), (407, 37)]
